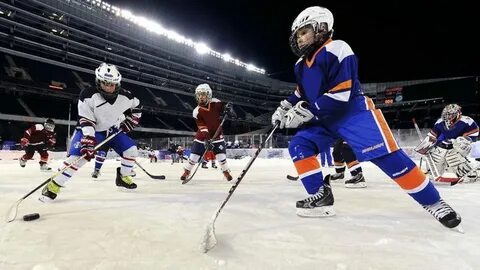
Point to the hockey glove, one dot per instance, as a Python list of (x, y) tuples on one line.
[(209, 145), (24, 142), (228, 110), (298, 115), (279, 114), (426, 145), (129, 123), (52, 140), (87, 145)]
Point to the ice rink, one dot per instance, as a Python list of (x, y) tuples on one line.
[(92, 225)]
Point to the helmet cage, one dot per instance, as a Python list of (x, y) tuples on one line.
[(321, 35), (451, 114)]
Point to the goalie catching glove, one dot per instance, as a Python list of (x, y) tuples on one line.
[(279, 114)]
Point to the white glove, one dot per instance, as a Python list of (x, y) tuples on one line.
[(298, 115), (463, 145), (426, 145), (279, 114)]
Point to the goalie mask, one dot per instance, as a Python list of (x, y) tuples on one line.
[(451, 114), (203, 94), (310, 30), (49, 125), (107, 81)]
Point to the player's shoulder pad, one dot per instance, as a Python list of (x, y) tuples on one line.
[(195, 112), (215, 100), (467, 119), (440, 120), (87, 93), (299, 60), (339, 48), (38, 127), (126, 93)]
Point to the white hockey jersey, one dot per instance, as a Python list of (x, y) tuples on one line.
[(97, 114)]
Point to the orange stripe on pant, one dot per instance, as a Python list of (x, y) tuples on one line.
[(307, 164), (411, 180), (385, 129)]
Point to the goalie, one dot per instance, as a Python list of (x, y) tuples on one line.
[(448, 144)]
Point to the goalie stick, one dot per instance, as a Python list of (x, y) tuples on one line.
[(431, 164), (157, 177), (204, 152), (209, 239), (12, 211)]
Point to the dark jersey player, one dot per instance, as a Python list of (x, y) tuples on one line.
[(38, 138)]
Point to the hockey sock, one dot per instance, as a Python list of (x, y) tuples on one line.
[(408, 176), (339, 167), (128, 160), (354, 168), (222, 161), (99, 162), (63, 178)]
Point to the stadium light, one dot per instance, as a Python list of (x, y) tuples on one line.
[(155, 27)]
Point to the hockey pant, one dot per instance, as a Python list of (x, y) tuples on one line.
[(121, 144), (198, 149), (40, 148)]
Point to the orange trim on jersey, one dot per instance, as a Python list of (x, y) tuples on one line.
[(370, 104), (341, 86), (385, 130), (353, 163), (470, 132), (310, 62), (307, 164), (411, 180)]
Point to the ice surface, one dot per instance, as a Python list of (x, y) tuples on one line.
[(92, 225)]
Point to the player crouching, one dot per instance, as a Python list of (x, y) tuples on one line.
[(448, 145), (209, 135)]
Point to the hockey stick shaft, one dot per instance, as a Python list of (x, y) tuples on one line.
[(210, 239), (12, 215), (159, 177), (205, 152)]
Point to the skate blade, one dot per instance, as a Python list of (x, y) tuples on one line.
[(124, 189), (458, 229), (325, 211), (359, 185)]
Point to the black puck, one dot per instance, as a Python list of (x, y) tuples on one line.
[(31, 217)]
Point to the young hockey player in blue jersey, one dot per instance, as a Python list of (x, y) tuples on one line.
[(328, 103), (449, 142), (102, 110)]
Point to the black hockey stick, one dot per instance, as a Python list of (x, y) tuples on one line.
[(293, 178), (158, 177), (204, 152), (209, 239), (12, 211)]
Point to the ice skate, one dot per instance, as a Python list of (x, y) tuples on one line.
[(318, 205), (358, 181), (445, 214), (337, 176), (214, 165), (95, 173), (49, 192), (185, 175), (44, 167), (204, 166), (227, 175), (22, 162), (124, 181)]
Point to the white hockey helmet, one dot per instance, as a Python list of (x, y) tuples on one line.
[(203, 89), (451, 114), (321, 20), (108, 74), (49, 125)]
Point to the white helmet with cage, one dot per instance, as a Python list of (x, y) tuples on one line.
[(107, 74), (320, 19), (451, 114), (203, 90)]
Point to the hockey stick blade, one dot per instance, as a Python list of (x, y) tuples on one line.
[(293, 178), (209, 239), (157, 177)]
